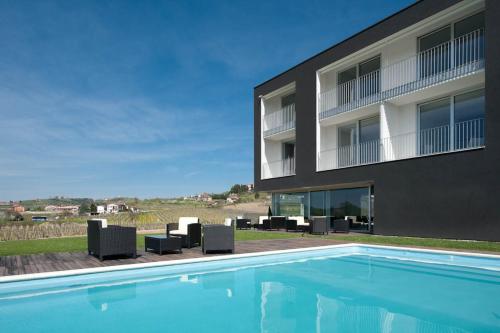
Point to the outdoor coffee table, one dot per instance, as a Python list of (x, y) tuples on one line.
[(162, 243)]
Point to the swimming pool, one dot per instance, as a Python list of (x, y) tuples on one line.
[(351, 288)]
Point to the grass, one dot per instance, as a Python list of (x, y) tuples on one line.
[(423, 242), (79, 244)]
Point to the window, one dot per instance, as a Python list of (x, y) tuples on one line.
[(469, 119), (452, 123), (368, 83), (369, 140), (353, 202), (287, 100), (435, 127), (367, 133), (438, 54)]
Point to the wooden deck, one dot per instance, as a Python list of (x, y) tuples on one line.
[(50, 262)]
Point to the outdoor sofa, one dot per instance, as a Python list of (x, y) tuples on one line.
[(109, 240), (275, 223), (297, 223), (188, 228)]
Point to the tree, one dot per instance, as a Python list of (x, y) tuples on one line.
[(238, 188), (93, 208)]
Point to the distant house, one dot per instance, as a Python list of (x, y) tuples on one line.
[(17, 208), (232, 198), (100, 209), (72, 209), (250, 187), (122, 207), (204, 197), (112, 208)]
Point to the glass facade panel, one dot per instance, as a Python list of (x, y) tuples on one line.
[(318, 203), (354, 203), (291, 204), (435, 127)]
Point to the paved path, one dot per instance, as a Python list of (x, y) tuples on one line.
[(37, 263)]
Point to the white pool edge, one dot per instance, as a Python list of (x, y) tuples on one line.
[(66, 273)]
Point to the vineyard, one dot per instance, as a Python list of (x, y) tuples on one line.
[(154, 219)]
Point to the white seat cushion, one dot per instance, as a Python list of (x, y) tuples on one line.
[(261, 219), (177, 232), (300, 220), (183, 223), (227, 221)]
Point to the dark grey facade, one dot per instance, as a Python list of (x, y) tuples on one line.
[(452, 195)]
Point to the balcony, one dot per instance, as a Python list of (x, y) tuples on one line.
[(457, 58), (279, 168), (282, 120), (461, 136)]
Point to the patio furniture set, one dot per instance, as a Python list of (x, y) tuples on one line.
[(188, 232), (112, 240)]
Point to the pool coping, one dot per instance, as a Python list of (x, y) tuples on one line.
[(82, 271)]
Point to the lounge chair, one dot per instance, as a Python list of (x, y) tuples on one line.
[(218, 237), (104, 240), (188, 228)]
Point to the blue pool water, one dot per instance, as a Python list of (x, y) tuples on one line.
[(356, 289)]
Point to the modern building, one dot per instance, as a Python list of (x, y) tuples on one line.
[(397, 127)]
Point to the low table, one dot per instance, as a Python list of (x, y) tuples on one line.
[(162, 243)]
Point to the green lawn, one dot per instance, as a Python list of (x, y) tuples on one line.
[(425, 242), (77, 244)]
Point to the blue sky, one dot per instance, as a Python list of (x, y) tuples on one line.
[(147, 98)]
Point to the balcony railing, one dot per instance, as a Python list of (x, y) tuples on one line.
[(279, 121), (461, 56), (461, 136), (279, 168)]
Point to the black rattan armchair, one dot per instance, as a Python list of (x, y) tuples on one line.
[(188, 228), (243, 224), (110, 240), (318, 225), (341, 225), (218, 237)]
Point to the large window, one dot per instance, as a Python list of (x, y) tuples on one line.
[(367, 133), (452, 123), (452, 46), (359, 81)]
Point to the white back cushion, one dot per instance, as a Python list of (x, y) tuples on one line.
[(104, 222), (227, 221), (183, 223), (261, 219), (300, 220), (239, 217)]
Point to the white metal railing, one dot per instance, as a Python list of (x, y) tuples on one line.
[(279, 168), (460, 56), (465, 135), (279, 121)]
